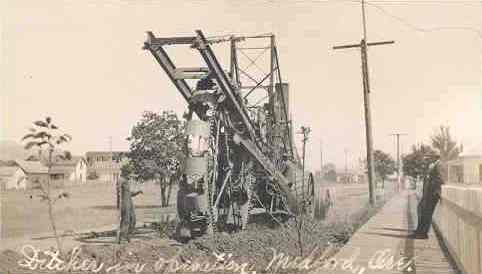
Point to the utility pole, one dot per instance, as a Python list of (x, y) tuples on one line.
[(346, 162), (399, 166), (305, 131), (321, 159), (366, 96), (111, 173)]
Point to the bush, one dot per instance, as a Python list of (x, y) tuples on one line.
[(92, 176)]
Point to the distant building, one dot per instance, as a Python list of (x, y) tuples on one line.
[(467, 168), (73, 170), (35, 172), (350, 176), (12, 177), (104, 165)]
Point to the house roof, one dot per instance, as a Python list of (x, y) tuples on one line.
[(473, 151), (32, 166), (71, 162), (8, 171), (99, 153), (105, 166)]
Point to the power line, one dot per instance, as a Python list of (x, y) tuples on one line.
[(419, 29), (460, 3), (377, 4), (426, 2), (381, 1)]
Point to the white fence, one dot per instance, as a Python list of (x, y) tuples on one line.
[(458, 219)]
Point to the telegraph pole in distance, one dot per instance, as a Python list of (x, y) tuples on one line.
[(346, 161), (321, 160), (366, 96), (305, 131), (399, 169)]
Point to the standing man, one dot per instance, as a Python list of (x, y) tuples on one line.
[(128, 214), (432, 186)]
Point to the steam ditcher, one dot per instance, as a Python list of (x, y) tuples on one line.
[(241, 159)]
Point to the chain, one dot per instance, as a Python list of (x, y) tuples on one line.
[(213, 128), (251, 181)]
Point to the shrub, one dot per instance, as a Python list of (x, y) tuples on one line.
[(92, 176)]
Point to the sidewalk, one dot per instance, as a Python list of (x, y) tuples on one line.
[(382, 246)]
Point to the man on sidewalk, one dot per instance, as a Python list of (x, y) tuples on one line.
[(432, 184)]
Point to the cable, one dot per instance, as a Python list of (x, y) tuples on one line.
[(396, 2), (478, 32), (419, 29), (425, 2)]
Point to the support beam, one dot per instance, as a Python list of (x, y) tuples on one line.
[(165, 62), (223, 82)]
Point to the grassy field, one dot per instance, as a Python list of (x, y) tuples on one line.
[(88, 207), (92, 206)]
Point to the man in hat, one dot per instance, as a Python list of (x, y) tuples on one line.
[(432, 184)]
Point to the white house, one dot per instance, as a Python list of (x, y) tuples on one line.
[(35, 172), (105, 165), (74, 170), (349, 176), (12, 177), (467, 168)]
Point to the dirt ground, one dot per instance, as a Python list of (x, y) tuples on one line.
[(93, 206), (252, 245)]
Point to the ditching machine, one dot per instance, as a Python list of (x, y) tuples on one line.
[(241, 158)]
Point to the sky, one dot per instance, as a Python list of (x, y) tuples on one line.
[(82, 63)]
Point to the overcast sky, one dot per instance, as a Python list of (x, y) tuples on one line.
[(81, 63)]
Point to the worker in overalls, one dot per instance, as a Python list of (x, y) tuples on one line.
[(128, 214), (432, 185)]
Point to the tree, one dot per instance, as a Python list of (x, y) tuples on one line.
[(446, 147), (156, 142), (330, 175), (47, 137), (384, 165), (92, 175), (32, 158), (329, 172), (416, 163), (329, 166)]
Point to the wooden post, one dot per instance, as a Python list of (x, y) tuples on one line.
[(368, 123), (363, 45)]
